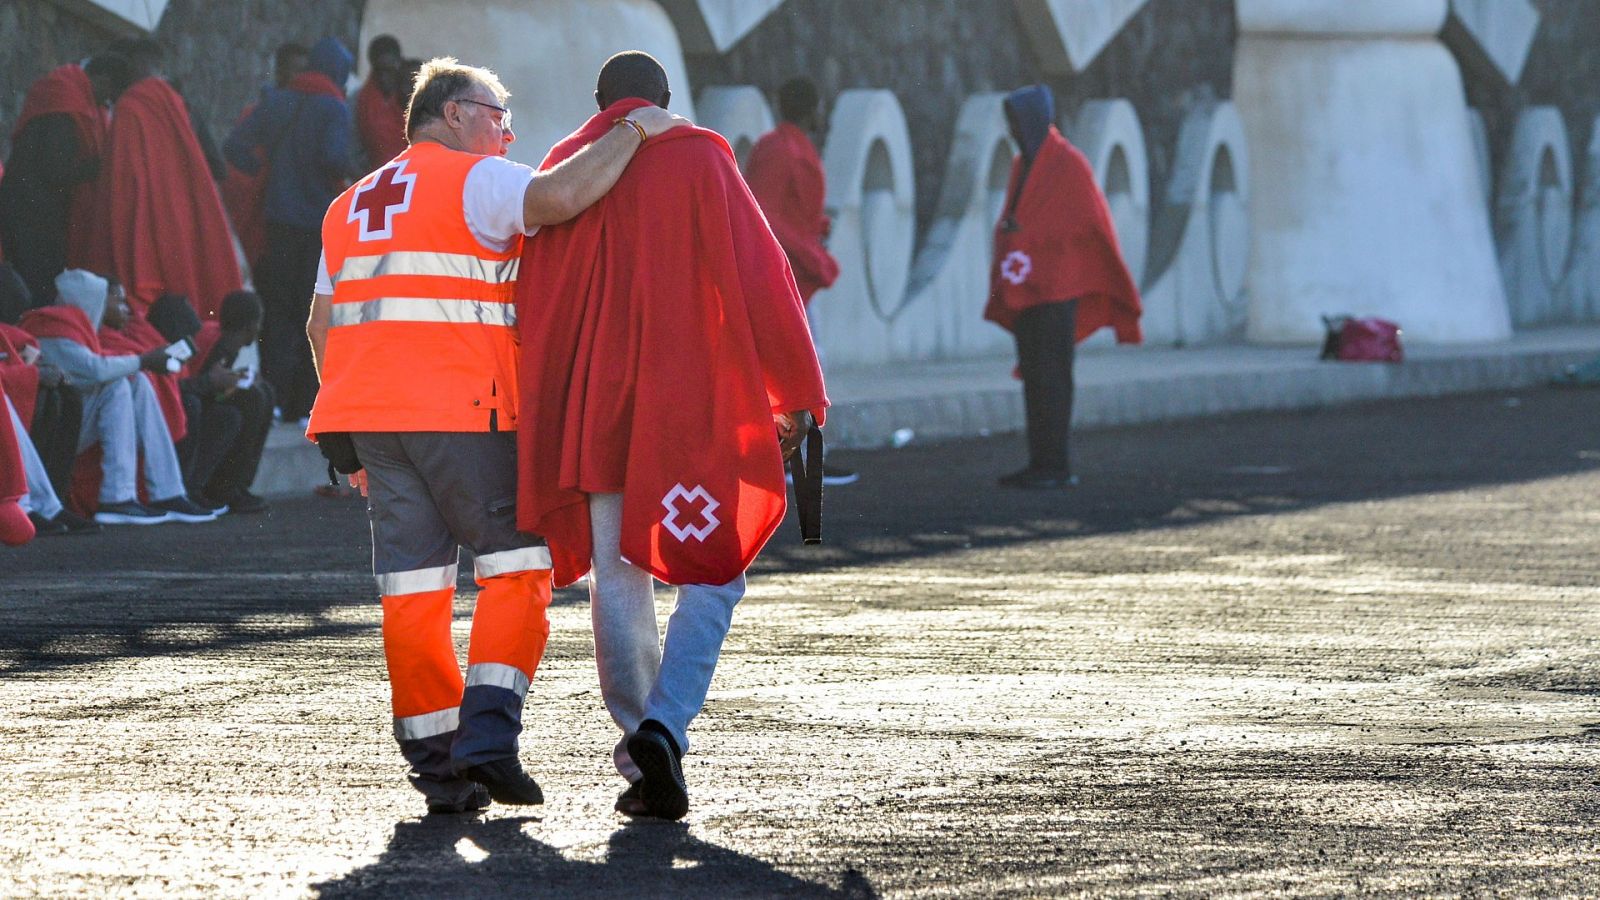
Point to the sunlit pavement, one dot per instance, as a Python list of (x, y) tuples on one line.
[(1324, 653)]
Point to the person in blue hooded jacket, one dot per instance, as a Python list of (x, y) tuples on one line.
[(1058, 276), (302, 133)]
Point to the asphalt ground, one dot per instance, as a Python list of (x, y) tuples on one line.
[(1349, 651)]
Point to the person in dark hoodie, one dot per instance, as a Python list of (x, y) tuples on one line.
[(1058, 277), (303, 135)]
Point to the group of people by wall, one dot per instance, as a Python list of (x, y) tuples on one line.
[(125, 230)]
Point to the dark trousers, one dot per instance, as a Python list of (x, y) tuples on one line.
[(287, 276), (222, 451), (1046, 341), (57, 419)]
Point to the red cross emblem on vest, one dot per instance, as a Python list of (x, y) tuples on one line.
[(385, 195)]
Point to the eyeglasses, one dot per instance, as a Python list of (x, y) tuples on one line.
[(505, 114)]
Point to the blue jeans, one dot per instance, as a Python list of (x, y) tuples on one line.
[(642, 677)]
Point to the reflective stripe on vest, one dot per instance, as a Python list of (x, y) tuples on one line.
[(424, 309), (442, 265)]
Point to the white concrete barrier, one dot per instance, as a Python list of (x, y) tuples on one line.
[(1533, 216), (871, 197), (548, 52), (949, 282), (1109, 134), (1580, 288), (739, 113), (1201, 237), (1365, 193)]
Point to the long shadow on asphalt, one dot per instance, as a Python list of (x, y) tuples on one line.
[(246, 580), (459, 856)]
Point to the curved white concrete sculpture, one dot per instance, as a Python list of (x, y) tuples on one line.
[(1109, 134), (950, 278), (1365, 195), (1580, 290), (1533, 216), (547, 52), (1201, 238), (871, 196), (739, 113)]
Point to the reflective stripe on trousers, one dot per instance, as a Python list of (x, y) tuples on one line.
[(522, 559)]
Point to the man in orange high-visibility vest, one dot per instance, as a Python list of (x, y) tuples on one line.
[(413, 328)]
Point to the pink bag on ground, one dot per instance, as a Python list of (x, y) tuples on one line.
[(1362, 339)]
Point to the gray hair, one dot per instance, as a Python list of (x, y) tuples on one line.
[(441, 80)]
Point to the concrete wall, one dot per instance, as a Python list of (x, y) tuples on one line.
[(933, 54)]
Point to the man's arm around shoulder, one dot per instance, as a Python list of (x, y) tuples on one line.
[(556, 195)]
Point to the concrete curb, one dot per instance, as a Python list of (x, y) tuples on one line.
[(1115, 386)]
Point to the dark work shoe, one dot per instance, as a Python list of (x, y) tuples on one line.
[(131, 512), (663, 790), (1039, 479), (182, 509), (631, 802), (475, 801), (506, 782)]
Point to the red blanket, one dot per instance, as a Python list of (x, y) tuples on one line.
[(660, 332), (161, 226), (785, 174), (381, 122), (66, 89), (19, 380), (1064, 247), (62, 321), (137, 337)]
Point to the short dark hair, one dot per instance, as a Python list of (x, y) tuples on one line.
[(383, 43), (111, 68), (145, 55), (797, 99), (240, 309), (441, 80), (287, 53), (631, 74)]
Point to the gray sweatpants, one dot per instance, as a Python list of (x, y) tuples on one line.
[(41, 497), (642, 677), (124, 417)]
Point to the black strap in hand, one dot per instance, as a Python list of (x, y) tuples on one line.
[(806, 469)]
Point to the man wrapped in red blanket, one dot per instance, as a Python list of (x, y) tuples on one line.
[(662, 336)]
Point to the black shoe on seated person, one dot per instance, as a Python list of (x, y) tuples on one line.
[(506, 782), (663, 790), (182, 509), (242, 502), (72, 523), (215, 507), (130, 512), (43, 527), (1039, 479)]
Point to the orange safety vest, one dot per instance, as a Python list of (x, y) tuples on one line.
[(423, 332)]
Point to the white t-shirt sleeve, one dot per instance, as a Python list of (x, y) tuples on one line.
[(324, 282), (492, 199)]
